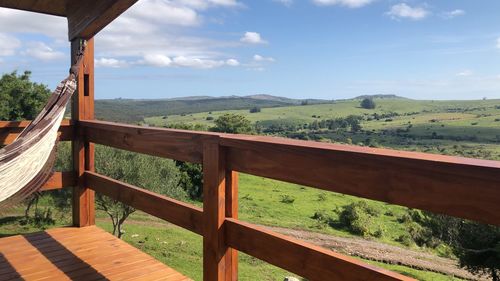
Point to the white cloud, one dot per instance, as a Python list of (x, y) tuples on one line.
[(160, 60), (403, 10), (197, 62), (453, 14), (8, 44), (346, 3), (110, 62), (232, 62), (466, 72), (157, 60), (16, 21), (260, 58), (42, 51), (252, 38)]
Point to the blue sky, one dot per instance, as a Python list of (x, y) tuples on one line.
[(328, 49)]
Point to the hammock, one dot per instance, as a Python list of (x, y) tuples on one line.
[(26, 164)]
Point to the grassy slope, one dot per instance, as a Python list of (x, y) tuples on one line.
[(476, 122)]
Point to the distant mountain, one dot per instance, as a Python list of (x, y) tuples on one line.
[(132, 111), (380, 97)]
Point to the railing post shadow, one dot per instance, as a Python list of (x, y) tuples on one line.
[(220, 193)]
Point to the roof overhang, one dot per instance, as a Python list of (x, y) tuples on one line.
[(85, 18)]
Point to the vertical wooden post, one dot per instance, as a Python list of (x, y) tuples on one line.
[(83, 152), (231, 212), (219, 261)]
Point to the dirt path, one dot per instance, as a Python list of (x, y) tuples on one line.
[(381, 252), (370, 250)]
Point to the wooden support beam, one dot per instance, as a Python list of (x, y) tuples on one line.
[(215, 250), (174, 144), (83, 152), (456, 186), (87, 18), (302, 258), (171, 210), (50, 7), (231, 212), (60, 180), (9, 130)]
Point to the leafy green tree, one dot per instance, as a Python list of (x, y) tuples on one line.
[(233, 124), (368, 103), (152, 173), (255, 109), (20, 98), (476, 245)]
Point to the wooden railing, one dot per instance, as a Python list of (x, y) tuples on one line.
[(462, 187)]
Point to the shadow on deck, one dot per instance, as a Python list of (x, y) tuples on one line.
[(69, 253)]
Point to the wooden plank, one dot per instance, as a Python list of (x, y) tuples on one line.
[(50, 7), (87, 253), (462, 187), (304, 259), (174, 211), (60, 180), (231, 212), (215, 250), (174, 144), (87, 18), (83, 151), (9, 130)]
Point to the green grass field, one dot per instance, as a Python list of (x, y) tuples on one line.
[(465, 128)]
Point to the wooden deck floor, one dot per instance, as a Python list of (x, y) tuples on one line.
[(87, 253)]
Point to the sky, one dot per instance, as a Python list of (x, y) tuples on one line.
[(328, 49)]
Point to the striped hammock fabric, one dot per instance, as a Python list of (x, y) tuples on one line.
[(26, 164)]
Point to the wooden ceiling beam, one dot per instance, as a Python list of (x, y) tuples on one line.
[(87, 18), (50, 7)]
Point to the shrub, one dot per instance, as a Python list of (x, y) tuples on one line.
[(405, 239), (210, 118), (357, 217), (322, 197), (287, 199), (368, 104), (255, 109)]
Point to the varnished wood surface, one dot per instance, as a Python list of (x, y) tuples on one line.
[(83, 151), (50, 7), (60, 180), (169, 143), (87, 18), (174, 211), (87, 253), (307, 260), (456, 186), (9, 130)]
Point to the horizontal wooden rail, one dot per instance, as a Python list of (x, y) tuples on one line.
[(174, 211), (9, 130), (174, 144), (461, 187), (456, 186), (307, 260), (60, 180)]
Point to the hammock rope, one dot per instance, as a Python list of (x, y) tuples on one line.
[(27, 163)]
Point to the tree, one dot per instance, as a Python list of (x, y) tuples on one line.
[(233, 124), (255, 109), (476, 245), (368, 103), (20, 98), (152, 173)]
